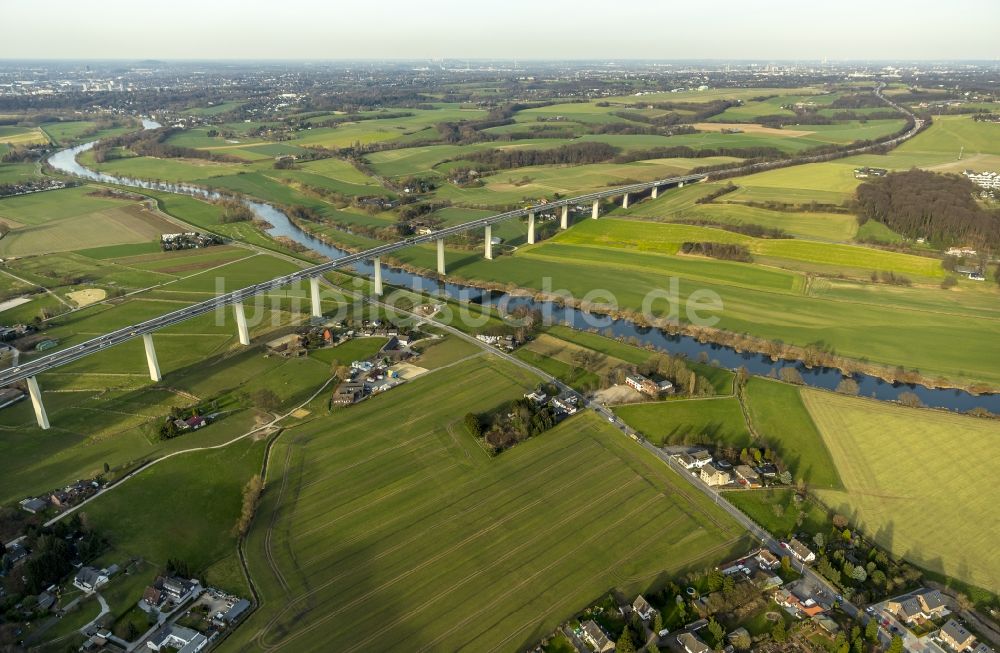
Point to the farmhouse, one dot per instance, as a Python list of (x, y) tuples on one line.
[(594, 636), (800, 551), (348, 393), (713, 476), (288, 346), (956, 636), (642, 608), (692, 644)]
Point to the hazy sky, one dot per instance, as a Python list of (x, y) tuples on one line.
[(509, 29)]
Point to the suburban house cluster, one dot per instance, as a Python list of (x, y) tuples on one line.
[(563, 404), (186, 617), (374, 375), (717, 472), (927, 617), (505, 343), (988, 180), (188, 240)]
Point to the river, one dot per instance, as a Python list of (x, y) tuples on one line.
[(819, 377)]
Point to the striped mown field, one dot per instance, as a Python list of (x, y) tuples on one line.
[(918, 481), (385, 526)]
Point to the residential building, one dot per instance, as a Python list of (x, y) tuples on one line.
[(566, 403), (919, 606), (767, 560), (692, 644), (648, 386), (153, 596), (695, 459), (984, 179), (981, 648), (537, 397), (800, 551), (713, 476), (89, 579), (643, 608), (956, 636), (746, 476), (594, 636), (174, 588)]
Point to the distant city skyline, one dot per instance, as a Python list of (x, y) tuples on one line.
[(515, 29)]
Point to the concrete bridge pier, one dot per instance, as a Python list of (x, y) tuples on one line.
[(36, 403), (595, 212), (241, 323), (441, 256), (656, 191), (625, 201), (314, 299), (531, 228), (154, 365), (564, 222), (377, 262), (488, 242)]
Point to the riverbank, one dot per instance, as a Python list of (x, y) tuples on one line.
[(760, 356), (809, 358)]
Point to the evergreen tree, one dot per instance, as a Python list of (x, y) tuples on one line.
[(625, 644)]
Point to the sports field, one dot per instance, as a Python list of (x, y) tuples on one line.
[(387, 527), (917, 481)]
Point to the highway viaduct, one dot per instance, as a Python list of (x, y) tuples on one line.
[(29, 371)]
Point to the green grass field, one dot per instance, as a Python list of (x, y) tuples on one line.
[(776, 510), (782, 421), (389, 528), (690, 421), (911, 481), (171, 511)]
